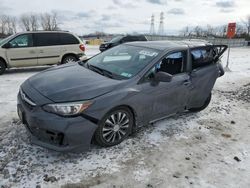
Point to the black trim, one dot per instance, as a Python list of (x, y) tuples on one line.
[(27, 58), (91, 119), (44, 57)]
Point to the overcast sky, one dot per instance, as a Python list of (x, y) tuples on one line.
[(127, 16)]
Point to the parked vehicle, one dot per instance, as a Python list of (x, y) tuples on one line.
[(121, 39), (40, 48), (114, 93)]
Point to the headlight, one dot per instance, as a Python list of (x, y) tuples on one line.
[(67, 109)]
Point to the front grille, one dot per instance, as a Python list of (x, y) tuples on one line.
[(48, 136)]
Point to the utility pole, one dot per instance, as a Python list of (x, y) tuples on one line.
[(161, 26), (152, 26)]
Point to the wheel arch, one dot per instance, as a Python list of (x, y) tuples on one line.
[(68, 54), (128, 107), (4, 61)]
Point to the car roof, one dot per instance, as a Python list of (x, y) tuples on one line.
[(169, 45), (41, 31)]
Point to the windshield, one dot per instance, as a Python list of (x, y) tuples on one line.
[(5, 40), (116, 39), (123, 61)]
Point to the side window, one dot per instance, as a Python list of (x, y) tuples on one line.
[(67, 39), (22, 41), (47, 39), (173, 64), (202, 57)]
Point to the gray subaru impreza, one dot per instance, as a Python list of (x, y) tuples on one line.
[(107, 97)]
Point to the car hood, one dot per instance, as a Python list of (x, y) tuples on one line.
[(71, 83)]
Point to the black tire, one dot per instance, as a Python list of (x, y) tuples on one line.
[(113, 130), (68, 59), (2, 67), (198, 109)]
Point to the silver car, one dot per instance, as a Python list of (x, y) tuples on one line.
[(38, 48), (109, 96)]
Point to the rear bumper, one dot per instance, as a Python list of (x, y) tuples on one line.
[(55, 132)]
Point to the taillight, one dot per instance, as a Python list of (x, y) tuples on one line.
[(82, 47)]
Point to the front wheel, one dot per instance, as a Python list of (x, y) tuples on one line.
[(114, 127), (2, 67), (203, 106)]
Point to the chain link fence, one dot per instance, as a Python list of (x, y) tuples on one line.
[(217, 41)]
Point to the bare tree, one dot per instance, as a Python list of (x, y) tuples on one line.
[(247, 25), (49, 22), (3, 23), (13, 22), (239, 30), (210, 31), (186, 31), (198, 31), (221, 30), (34, 22), (11, 25), (25, 22), (30, 22)]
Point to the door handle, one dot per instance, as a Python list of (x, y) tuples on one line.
[(32, 51), (41, 51)]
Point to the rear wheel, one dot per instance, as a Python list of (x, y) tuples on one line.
[(114, 127), (69, 59), (2, 67), (203, 106)]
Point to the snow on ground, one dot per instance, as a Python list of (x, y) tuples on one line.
[(206, 149)]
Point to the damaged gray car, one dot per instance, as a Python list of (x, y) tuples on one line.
[(107, 97)]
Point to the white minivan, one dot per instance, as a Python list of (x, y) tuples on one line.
[(38, 48)]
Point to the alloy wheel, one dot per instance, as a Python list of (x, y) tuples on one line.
[(116, 127)]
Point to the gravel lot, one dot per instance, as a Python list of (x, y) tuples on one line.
[(206, 149)]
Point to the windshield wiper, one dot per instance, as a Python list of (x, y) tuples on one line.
[(100, 71)]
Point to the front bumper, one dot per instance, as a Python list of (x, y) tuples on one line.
[(82, 57), (56, 132)]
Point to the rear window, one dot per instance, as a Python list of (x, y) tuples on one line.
[(67, 38), (202, 57), (47, 39)]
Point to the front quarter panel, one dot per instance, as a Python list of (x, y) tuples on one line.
[(121, 97)]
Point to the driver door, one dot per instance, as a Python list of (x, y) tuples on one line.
[(21, 52), (162, 99)]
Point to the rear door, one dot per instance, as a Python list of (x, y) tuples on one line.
[(48, 48), (21, 52), (205, 71)]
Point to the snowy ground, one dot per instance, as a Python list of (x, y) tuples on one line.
[(206, 149)]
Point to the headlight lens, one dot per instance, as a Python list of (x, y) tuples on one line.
[(67, 109)]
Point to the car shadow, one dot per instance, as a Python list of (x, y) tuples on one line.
[(27, 70)]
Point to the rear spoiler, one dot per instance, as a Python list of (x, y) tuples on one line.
[(220, 50)]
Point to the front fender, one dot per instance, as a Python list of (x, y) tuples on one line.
[(103, 104)]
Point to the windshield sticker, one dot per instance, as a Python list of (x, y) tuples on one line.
[(126, 74), (148, 53)]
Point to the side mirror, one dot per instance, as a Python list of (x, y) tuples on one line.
[(7, 45), (163, 77)]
